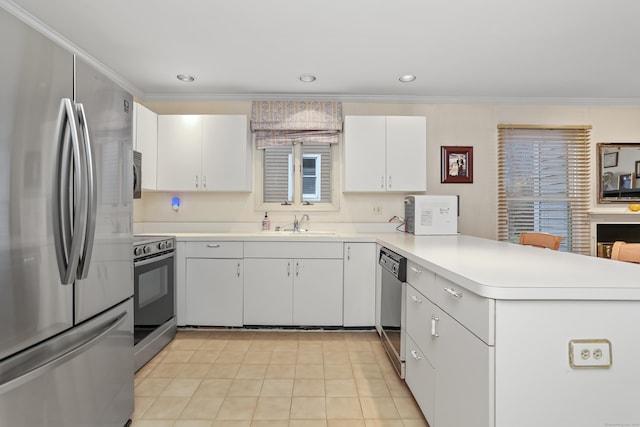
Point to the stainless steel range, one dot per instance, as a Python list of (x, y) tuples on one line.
[(154, 295)]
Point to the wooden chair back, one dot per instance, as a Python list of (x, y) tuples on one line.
[(623, 251), (541, 240)]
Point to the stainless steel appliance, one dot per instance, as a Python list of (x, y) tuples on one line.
[(137, 175), (66, 271), (392, 306), (154, 295)]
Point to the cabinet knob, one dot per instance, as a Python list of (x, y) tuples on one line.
[(415, 355), (213, 245)]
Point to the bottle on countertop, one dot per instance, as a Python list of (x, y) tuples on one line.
[(266, 223)]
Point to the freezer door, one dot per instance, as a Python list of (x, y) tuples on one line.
[(81, 378), (36, 75), (106, 110)]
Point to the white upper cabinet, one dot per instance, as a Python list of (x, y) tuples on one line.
[(203, 153), (146, 142), (179, 153), (226, 154), (385, 153)]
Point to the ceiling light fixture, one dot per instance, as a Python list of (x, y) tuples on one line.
[(407, 78), (185, 78), (307, 78)]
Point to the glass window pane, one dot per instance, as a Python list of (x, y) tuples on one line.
[(316, 173)]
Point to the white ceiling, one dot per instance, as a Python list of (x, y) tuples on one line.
[(583, 51)]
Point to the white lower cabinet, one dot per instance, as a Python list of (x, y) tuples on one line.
[(359, 284), (214, 292), (449, 370), (305, 290), (213, 283)]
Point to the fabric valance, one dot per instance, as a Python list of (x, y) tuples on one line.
[(288, 122)]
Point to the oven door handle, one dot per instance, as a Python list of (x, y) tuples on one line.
[(154, 259)]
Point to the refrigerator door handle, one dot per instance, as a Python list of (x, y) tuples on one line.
[(68, 237), (92, 201), (29, 365)]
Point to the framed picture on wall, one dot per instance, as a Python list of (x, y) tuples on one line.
[(610, 160), (457, 164)]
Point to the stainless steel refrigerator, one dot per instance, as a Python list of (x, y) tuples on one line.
[(66, 271)]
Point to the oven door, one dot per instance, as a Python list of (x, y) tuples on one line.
[(154, 290)]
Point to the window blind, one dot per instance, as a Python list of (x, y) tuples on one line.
[(544, 183)]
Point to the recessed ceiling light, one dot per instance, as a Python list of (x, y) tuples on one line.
[(185, 78), (307, 78), (407, 78)]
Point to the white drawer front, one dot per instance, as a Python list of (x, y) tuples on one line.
[(474, 312), (214, 249), (419, 312), (421, 379), (293, 250), (419, 277)]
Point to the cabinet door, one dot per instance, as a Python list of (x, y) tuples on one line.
[(225, 153), (359, 284), (214, 292), (146, 142), (268, 291), (421, 379), (179, 152), (406, 153), (364, 153), (317, 292), (464, 376)]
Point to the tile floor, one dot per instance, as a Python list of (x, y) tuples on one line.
[(256, 378)]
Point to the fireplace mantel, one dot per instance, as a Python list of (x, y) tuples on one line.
[(606, 220)]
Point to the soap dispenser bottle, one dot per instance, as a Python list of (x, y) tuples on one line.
[(266, 223)]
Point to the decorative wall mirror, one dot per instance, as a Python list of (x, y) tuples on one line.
[(618, 172)]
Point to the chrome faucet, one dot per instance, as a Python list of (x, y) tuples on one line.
[(296, 223)]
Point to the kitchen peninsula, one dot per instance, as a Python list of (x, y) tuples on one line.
[(498, 334)]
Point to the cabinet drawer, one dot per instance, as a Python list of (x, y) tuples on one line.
[(474, 312), (293, 250), (419, 311), (421, 379), (419, 277), (213, 249)]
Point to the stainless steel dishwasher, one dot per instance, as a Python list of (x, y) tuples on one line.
[(392, 308)]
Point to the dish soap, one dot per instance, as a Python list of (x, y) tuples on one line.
[(266, 223)]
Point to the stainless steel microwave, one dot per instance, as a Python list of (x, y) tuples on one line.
[(137, 175)]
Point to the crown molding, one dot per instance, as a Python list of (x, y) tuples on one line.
[(386, 99)]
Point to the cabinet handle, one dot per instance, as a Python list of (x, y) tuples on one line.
[(382, 182), (238, 270), (197, 181), (415, 270), (416, 355), (204, 181), (348, 253), (453, 292), (389, 181), (289, 269), (297, 268), (434, 322), (416, 299), (213, 245)]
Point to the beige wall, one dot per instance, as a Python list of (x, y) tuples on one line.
[(447, 124)]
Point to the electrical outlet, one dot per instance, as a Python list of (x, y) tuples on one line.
[(590, 353), (377, 210)]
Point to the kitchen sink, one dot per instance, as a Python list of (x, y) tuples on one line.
[(301, 233)]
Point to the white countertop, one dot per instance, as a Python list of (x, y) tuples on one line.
[(487, 267)]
